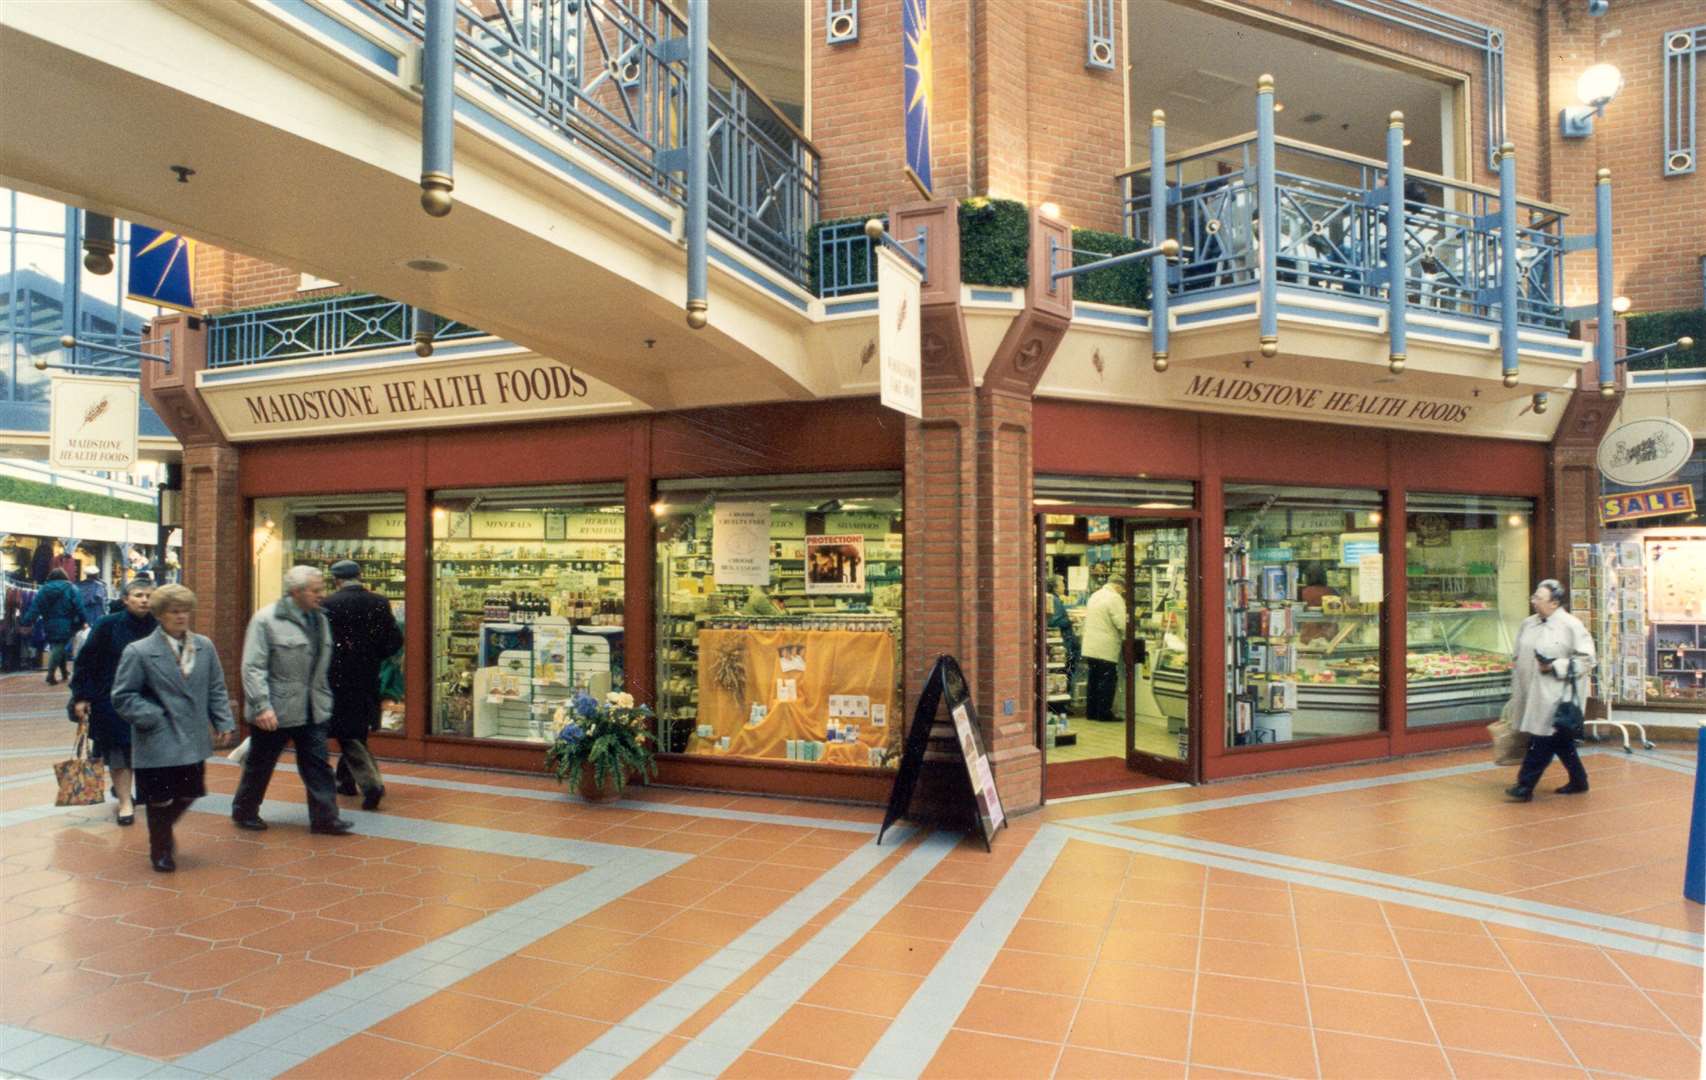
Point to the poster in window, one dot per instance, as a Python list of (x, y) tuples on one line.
[(835, 565), (740, 543)]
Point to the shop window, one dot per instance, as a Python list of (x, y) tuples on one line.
[(779, 618), (1467, 562), (319, 531), (1304, 584), (527, 606)]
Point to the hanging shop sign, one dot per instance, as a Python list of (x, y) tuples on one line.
[(1645, 451), (740, 543), (296, 398), (1650, 502), (93, 422), (899, 363)]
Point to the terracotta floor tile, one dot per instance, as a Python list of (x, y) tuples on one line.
[(445, 1020), (535, 1040), (929, 923), (300, 934), (1633, 1052), (1332, 908), (714, 928), (578, 944), (629, 916), (433, 884), (1357, 1057), (492, 895), (1153, 918), (146, 956), (1244, 926), (541, 873), (1038, 972), (285, 984), (235, 923), (776, 876), (1383, 1016), (1651, 973), (656, 956), (1471, 1066), (433, 920), (1018, 1013), (1249, 959), (93, 1019), (1130, 1029), (370, 908), (1683, 1010), (1472, 950), (1060, 939), (374, 874), (1256, 999), (518, 979), (310, 896), (252, 886), (24, 998), (1370, 939), (743, 900), (118, 902), (672, 889), (756, 1066), (367, 1057), (1356, 971), (184, 1028), (973, 1055), (1222, 1042), (824, 1035), (366, 948), (1566, 961), (601, 995), (867, 990), (80, 939), (454, 1067), (1605, 1004), (213, 969), (891, 952), (1491, 1031), (1471, 986), (1068, 907), (1151, 947), (1141, 984)]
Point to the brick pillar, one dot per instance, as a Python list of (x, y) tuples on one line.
[(1572, 464), (216, 550)]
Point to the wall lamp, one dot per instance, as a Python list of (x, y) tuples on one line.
[(1594, 88)]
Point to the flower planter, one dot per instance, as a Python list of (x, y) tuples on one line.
[(594, 792)]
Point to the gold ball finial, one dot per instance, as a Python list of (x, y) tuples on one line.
[(1270, 348), (874, 229), (98, 262), (41, 363), (1396, 364), (1539, 404), (698, 313), (1161, 362), (1604, 176), (1264, 84), (1511, 379), (1396, 119), (1685, 342), (1158, 118), (1170, 248), (423, 345), (435, 194), (66, 341), (1507, 149), (1607, 390)]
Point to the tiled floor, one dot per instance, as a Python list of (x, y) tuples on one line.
[(1397, 920)]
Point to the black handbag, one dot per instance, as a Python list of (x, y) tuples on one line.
[(1567, 718)]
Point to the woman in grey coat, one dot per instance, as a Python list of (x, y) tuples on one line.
[(171, 689), (1554, 655)]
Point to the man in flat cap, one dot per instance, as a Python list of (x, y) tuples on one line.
[(364, 635)]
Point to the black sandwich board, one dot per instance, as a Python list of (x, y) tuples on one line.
[(947, 687)]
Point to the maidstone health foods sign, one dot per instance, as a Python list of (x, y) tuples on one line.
[(93, 422)]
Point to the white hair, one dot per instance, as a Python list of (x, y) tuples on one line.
[(300, 577), (1555, 588)]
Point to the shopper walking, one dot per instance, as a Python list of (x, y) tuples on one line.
[(286, 655), (1104, 644), (170, 688), (60, 610), (92, 687), (364, 636), (1554, 654), (92, 591)]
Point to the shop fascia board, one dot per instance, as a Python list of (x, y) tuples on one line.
[(1683, 401), (545, 257)]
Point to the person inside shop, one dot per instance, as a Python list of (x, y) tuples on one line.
[(761, 603), (93, 592), (170, 687), (1058, 619), (60, 610), (364, 634), (1104, 643), (92, 687), (287, 653), (1314, 588), (1554, 654)]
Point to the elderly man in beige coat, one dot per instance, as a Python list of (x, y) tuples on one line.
[(1554, 655)]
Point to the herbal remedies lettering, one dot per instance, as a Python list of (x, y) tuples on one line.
[(421, 394), (1259, 393)]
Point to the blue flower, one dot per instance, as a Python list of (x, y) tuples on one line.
[(572, 733), (586, 706)]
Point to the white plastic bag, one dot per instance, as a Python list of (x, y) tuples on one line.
[(241, 753)]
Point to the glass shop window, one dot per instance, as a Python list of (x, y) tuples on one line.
[(779, 618), (1304, 584), (318, 531), (1467, 560), (527, 605)]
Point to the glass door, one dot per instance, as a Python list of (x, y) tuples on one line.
[(1159, 702)]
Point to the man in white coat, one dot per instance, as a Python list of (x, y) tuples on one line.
[(1554, 654), (1104, 644)]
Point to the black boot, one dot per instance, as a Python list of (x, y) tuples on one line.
[(160, 818), (1520, 793)]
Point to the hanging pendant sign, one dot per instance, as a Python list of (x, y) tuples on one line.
[(1645, 451), (93, 422), (899, 362)]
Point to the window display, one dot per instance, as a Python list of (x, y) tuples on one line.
[(1676, 611), (527, 605), (1304, 583), (318, 531), (779, 616), (1467, 569)]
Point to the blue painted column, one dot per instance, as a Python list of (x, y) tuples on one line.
[(1508, 332), (438, 107), (1605, 341), (1396, 287), (422, 323), (1267, 213), (1694, 877), (698, 136), (1158, 232), (71, 292)]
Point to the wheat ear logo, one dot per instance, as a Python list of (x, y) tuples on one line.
[(95, 411)]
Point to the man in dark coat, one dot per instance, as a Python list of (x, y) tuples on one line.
[(364, 635), (92, 686), (60, 610), (93, 592)]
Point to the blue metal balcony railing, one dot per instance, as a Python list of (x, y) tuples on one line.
[(336, 324), (1330, 234), (846, 262), (611, 76)]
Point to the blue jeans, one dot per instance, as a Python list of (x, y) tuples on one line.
[(311, 762)]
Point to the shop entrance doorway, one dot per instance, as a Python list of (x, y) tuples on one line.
[(1116, 697)]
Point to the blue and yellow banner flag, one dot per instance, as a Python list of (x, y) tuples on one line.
[(162, 268), (918, 90)]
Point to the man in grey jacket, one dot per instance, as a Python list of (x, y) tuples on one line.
[(286, 654)]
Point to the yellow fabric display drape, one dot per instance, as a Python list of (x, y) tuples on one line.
[(835, 662)]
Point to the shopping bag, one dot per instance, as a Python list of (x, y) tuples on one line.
[(241, 753), (82, 780), (1510, 743)]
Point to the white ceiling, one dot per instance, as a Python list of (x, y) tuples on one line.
[(1202, 68), (766, 39)]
